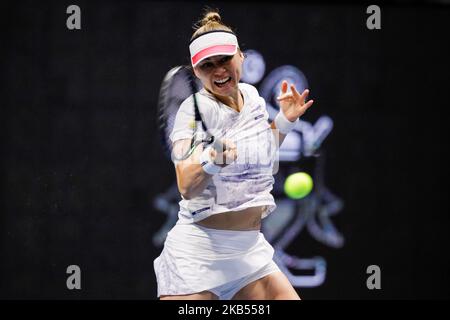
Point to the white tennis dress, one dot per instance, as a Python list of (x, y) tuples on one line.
[(195, 258)]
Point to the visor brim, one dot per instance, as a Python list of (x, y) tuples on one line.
[(218, 50)]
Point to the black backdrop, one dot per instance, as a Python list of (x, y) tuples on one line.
[(81, 160)]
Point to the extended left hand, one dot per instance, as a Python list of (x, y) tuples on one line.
[(293, 103)]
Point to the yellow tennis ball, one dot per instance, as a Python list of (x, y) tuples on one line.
[(298, 185)]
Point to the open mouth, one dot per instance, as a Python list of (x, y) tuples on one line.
[(222, 82)]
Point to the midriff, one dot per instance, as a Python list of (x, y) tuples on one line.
[(247, 219)]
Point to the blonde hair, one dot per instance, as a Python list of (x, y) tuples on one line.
[(211, 21)]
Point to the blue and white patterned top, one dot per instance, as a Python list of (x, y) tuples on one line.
[(248, 181)]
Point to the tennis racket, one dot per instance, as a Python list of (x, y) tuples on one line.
[(178, 85)]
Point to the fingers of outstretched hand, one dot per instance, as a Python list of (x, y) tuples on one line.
[(300, 97), (304, 95), (284, 86), (294, 95), (307, 105), (285, 96)]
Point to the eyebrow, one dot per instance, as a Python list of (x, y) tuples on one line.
[(209, 59)]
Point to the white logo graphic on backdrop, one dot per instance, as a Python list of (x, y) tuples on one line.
[(254, 67)]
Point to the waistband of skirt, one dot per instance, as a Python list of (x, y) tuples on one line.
[(195, 235)]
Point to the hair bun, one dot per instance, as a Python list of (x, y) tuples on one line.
[(211, 21), (211, 17)]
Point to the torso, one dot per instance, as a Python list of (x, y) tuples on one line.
[(247, 219), (240, 182)]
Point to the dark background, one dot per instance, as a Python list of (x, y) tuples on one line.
[(81, 160)]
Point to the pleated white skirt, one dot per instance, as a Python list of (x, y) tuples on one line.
[(195, 258)]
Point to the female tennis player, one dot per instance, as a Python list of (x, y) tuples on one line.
[(216, 249)]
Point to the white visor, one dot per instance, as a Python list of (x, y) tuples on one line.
[(212, 43)]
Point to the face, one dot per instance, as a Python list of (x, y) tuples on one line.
[(221, 74)]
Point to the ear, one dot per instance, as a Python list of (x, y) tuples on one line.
[(195, 72)]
